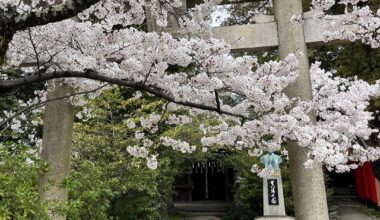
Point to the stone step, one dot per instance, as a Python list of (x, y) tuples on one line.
[(202, 218), (202, 214), (202, 208), (205, 208), (203, 205)]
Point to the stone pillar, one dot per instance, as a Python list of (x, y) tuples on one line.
[(273, 198), (308, 185), (56, 144), (273, 195)]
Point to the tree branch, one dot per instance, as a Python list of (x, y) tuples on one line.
[(40, 104), (6, 85), (51, 14), (217, 101), (9, 26)]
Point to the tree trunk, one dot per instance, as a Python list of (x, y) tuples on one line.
[(308, 185), (56, 144)]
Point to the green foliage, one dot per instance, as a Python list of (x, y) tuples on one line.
[(249, 191), (350, 60), (248, 200), (19, 172), (105, 181), (20, 166)]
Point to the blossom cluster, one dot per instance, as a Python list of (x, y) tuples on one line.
[(340, 133), (20, 9), (22, 127), (142, 152), (358, 23)]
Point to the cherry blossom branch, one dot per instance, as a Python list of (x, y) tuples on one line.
[(6, 85), (40, 104), (217, 100), (34, 50), (9, 25), (51, 13)]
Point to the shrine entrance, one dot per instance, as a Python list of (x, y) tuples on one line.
[(205, 181), (207, 187)]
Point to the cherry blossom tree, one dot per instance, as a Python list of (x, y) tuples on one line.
[(104, 43)]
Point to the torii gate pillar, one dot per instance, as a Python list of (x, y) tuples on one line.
[(57, 143), (309, 194)]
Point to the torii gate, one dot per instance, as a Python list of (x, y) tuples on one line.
[(309, 195), (269, 31)]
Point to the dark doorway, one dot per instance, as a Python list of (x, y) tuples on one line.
[(213, 190), (205, 181)]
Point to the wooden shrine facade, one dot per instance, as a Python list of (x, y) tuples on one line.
[(205, 181)]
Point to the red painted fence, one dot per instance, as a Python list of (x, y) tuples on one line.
[(367, 186)]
